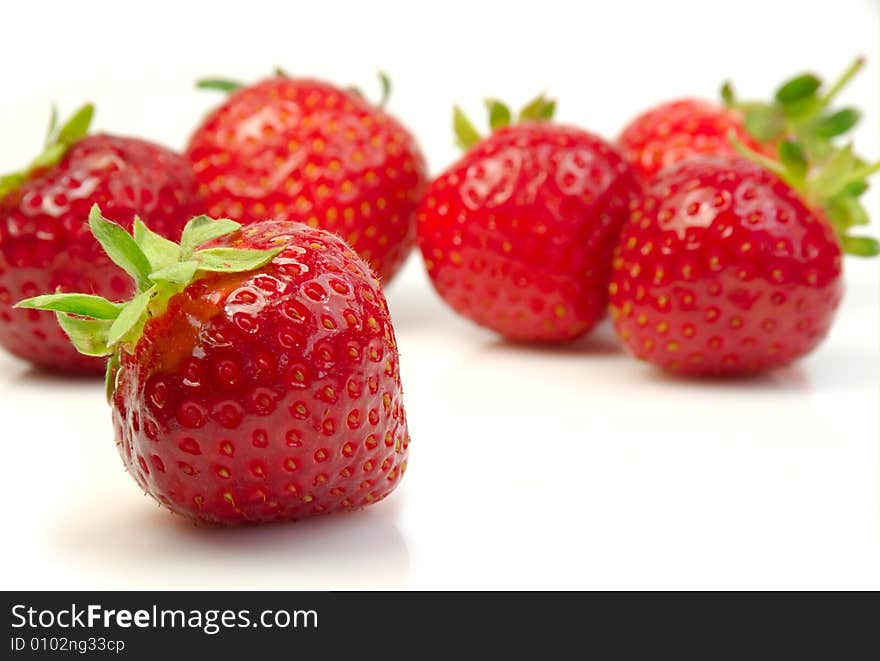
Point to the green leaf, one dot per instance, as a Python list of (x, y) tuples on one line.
[(113, 364), (763, 122), (110, 375), (860, 246), (9, 182), (466, 136), (793, 158), (218, 85), (499, 114), (179, 272), (727, 94), (233, 260), (385, 85), (53, 124), (837, 123), (50, 156), (537, 110), (835, 174), (798, 88), (357, 91), (120, 247), (802, 110), (84, 305), (280, 73), (130, 316), (548, 110), (159, 251), (854, 188), (77, 126), (855, 212), (89, 336), (202, 229)]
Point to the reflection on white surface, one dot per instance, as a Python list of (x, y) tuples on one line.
[(531, 467), (137, 546)]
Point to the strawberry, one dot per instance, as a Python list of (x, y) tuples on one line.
[(46, 246), (681, 129), (728, 266), (299, 149), (252, 380), (518, 234), (684, 128)]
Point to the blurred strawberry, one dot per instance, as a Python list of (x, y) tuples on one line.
[(518, 234), (732, 266), (45, 243), (300, 149), (681, 129)]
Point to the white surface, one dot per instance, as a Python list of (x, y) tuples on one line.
[(575, 467)]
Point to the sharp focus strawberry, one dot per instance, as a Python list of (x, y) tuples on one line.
[(46, 246), (518, 234), (681, 129), (299, 149), (726, 268), (255, 379)]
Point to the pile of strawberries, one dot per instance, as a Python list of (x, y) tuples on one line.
[(232, 293)]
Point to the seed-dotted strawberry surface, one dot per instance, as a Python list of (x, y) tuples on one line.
[(45, 243), (518, 234), (723, 269), (304, 150), (271, 394), (678, 130)]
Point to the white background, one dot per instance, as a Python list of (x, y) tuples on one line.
[(566, 468)]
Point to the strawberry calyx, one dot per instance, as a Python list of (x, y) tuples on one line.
[(802, 110), (833, 184), (804, 128), (58, 141), (160, 269), (228, 86), (539, 109)]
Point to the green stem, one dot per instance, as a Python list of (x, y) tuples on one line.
[(844, 79), (764, 161)]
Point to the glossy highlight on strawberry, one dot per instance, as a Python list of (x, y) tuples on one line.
[(304, 150), (518, 234), (723, 269), (254, 378)]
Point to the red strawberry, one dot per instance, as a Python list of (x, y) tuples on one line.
[(725, 268), (682, 129), (677, 130), (46, 246), (518, 234), (253, 380), (299, 149)]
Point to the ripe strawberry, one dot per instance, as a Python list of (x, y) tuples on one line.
[(518, 234), (253, 380), (299, 149), (46, 246), (681, 129), (678, 130), (726, 268)]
